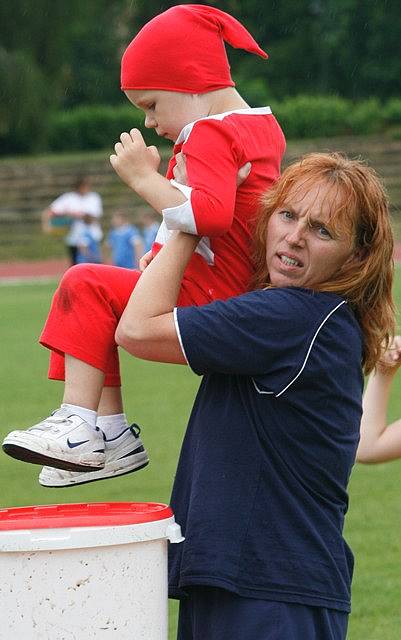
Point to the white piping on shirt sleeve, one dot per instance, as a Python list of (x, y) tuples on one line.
[(177, 328), (251, 111), (277, 395), (181, 217)]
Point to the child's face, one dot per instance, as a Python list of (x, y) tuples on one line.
[(167, 111), (117, 220)]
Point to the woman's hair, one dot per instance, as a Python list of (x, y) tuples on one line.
[(365, 280)]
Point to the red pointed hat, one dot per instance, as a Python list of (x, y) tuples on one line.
[(183, 50)]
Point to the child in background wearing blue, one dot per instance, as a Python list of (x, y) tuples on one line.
[(149, 229), (124, 241), (89, 236)]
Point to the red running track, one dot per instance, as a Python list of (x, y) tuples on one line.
[(53, 269), (43, 269)]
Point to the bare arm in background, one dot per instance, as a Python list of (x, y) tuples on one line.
[(46, 216), (379, 442)]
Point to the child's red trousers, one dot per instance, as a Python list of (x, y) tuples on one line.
[(85, 312)]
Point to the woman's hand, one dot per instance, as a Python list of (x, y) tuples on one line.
[(181, 176), (145, 260), (391, 358), (180, 169), (243, 173)]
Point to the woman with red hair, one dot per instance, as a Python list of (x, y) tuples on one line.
[(261, 486)]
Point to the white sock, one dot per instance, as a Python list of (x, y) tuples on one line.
[(86, 414), (112, 425)]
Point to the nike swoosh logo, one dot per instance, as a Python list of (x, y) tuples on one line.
[(75, 444)]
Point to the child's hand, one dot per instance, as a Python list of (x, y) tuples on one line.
[(133, 161), (391, 358)]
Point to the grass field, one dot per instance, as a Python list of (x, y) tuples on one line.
[(159, 398)]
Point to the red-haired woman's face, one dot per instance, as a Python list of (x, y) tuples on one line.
[(302, 248)]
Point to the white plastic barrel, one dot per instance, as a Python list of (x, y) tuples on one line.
[(80, 571)]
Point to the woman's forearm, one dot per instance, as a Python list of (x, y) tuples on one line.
[(146, 328), (157, 290)]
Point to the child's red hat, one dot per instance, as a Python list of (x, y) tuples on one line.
[(183, 50)]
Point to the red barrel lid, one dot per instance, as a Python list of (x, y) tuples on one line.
[(93, 514)]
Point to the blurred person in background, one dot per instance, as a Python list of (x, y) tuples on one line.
[(149, 229), (124, 241), (89, 236), (69, 209)]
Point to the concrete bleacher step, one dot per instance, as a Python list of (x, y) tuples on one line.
[(28, 185)]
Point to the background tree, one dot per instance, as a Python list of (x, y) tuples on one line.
[(58, 55)]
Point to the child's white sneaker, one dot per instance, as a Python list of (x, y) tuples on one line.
[(62, 440), (124, 454)]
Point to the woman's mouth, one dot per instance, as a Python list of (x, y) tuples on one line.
[(289, 261)]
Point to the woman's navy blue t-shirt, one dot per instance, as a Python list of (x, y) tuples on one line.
[(261, 486)]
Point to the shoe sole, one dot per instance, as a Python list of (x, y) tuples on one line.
[(108, 476), (34, 457)]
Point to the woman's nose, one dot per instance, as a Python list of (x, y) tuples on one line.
[(296, 236)]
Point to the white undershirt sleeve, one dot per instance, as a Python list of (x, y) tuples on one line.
[(181, 217)]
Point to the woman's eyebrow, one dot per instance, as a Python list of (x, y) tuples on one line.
[(318, 222), (287, 206)]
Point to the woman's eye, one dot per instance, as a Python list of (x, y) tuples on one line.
[(151, 107), (324, 233), (286, 215)]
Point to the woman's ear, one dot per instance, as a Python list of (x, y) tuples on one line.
[(356, 257), (358, 254)]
